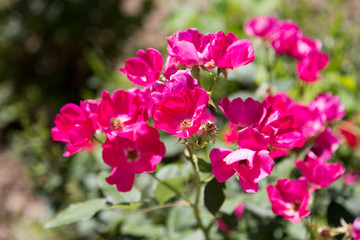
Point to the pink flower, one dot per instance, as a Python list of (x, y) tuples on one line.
[(279, 124), (242, 113), (222, 226), (145, 69), (349, 131), (129, 157), (121, 113), (285, 36), (279, 102), (73, 127), (310, 66), (251, 162), (304, 46), (178, 83), (329, 105), (280, 128), (325, 145), (311, 121), (91, 106), (355, 230), (171, 67), (351, 178), (319, 173), (239, 210), (230, 134), (181, 113), (189, 48), (260, 26), (229, 52), (290, 198)]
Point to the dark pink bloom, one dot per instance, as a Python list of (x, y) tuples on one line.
[(121, 113), (329, 105), (349, 131), (351, 177), (147, 102), (311, 121), (285, 36), (280, 128), (129, 157), (239, 210), (222, 226), (278, 152), (242, 113), (229, 52), (355, 230), (325, 145), (179, 82), (279, 123), (171, 67), (145, 69), (260, 26), (181, 113), (73, 127), (230, 134), (319, 173), (189, 48), (304, 46), (290, 198), (279, 102), (310, 66), (251, 162), (91, 106)]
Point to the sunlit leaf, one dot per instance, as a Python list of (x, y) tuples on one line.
[(77, 212), (163, 193)]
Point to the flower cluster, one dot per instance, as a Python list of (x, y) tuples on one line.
[(177, 106), (287, 38), (172, 97)]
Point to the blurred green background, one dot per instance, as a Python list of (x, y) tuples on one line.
[(53, 52)]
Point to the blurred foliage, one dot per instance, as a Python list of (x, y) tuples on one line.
[(57, 51)]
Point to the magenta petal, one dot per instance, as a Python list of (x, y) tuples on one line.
[(238, 155), (240, 53), (290, 198), (221, 170), (242, 113), (251, 138), (122, 178)]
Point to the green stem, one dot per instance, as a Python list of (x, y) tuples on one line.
[(149, 209), (213, 82), (195, 205)]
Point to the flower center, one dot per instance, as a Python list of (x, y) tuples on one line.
[(132, 155), (243, 163), (116, 123), (185, 124), (296, 205)]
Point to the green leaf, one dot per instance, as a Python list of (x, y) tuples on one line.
[(113, 195), (214, 196), (77, 212), (163, 193), (204, 166)]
